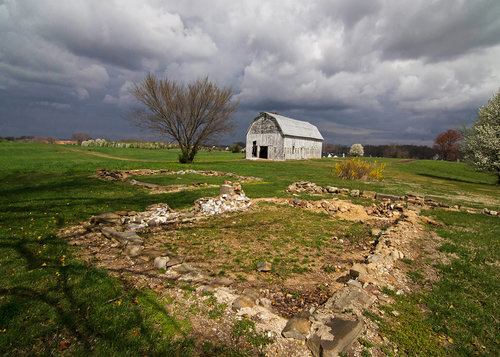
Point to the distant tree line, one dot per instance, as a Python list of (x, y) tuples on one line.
[(391, 151)]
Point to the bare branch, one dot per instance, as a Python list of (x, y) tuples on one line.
[(191, 114)]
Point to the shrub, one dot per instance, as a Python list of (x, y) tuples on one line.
[(356, 150), (235, 148), (357, 169)]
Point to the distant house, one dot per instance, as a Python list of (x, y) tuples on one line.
[(275, 137)]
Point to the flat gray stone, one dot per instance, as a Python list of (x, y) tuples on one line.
[(133, 250), (264, 267), (369, 194), (357, 270), (350, 297), (383, 196), (226, 190), (297, 327), (107, 218), (125, 238), (175, 260), (333, 337), (251, 294), (161, 262), (241, 302)]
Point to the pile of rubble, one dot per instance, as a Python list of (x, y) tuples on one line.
[(409, 199), (231, 198)]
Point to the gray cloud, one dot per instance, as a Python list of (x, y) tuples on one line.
[(365, 71)]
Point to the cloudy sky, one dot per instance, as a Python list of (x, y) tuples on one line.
[(367, 71)]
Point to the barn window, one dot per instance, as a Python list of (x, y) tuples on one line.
[(254, 149)]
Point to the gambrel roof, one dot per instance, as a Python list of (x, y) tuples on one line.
[(298, 128)]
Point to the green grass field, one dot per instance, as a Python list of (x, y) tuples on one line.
[(53, 304)]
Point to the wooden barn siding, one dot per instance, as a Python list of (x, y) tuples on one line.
[(302, 148), (266, 133)]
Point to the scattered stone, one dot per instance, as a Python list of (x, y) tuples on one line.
[(242, 302), (297, 327), (107, 219), (349, 297), (333, 337), (332, 189), (355, 193), (354, 283), (357, 270), (175, 260), (251, 294), (226, 190), (344, 191), (222, 281), (383, 196), (264, 267), (161, 262), (133, 250), (430, 221), (369, 194), (125, 238)]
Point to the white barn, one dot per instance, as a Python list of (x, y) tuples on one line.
[(275, 137)]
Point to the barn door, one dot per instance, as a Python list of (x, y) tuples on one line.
[(263, 152)]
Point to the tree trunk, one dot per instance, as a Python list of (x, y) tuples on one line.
[(187, 154)]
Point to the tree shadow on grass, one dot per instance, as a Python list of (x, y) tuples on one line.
[(53, 302), (475, 182)]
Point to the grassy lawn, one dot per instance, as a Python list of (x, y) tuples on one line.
[(51, 303)]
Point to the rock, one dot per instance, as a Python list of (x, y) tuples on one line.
[(297, 327), (349, 297), (161, 262), (264, 267), (396, 254), (427, 220), (152, 253), (175, 260), (187, 273), (226, 190), (376, 232), (333, 337), (369, 194), (184, 268), (373, 258), (242, 302), (344, 191), (133, 250), (357, 270), (354, 283), (125, 238), (332, 208), (332, 189), (355, 193), (251, 294), (107, 219), (222, 281), (383, 196)]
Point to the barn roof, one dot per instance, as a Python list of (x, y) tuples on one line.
[(294, 127)]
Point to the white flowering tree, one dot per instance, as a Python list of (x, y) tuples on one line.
[(481, 144), (356, 150)]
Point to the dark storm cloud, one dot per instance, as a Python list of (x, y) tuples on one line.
[(441, 30), (363, 71)]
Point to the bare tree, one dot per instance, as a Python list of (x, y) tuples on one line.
[(79, 137), (191, 114)]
